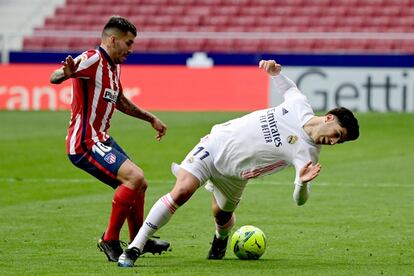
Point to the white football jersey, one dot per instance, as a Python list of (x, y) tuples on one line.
[(268, 140)]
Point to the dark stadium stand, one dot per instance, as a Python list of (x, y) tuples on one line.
[(380, 26)]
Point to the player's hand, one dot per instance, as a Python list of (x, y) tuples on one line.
[(69, 66), (309, 171), (160, 127), (271, 67)]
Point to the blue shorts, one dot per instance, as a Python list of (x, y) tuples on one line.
[(102, 161)]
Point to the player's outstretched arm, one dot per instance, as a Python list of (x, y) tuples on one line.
[(124, 105), (302, 190), (280, 81), (69, 67)]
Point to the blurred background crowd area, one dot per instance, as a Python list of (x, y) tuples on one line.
[(228, 26)]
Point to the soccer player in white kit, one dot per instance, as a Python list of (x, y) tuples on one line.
[(259, 143)]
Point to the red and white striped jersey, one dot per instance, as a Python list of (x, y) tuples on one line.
[(96, 85)]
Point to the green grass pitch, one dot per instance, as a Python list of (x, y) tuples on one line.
[(359, 219)]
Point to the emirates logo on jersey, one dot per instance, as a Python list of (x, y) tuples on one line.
[(110, 95)]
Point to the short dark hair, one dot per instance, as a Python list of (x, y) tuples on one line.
[(347, 120), (120, 23)]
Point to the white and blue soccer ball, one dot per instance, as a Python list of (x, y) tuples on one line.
[(248, 243)]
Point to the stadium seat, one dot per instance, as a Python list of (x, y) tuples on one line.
[(188, 20), (191, 45), (226, 10), (274, 45), (247, 45), (220, 45), (404, 46), (380, 45), (238, 16), (163, 45), (34, 43)]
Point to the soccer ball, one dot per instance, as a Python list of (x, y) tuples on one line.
[(248, 243)]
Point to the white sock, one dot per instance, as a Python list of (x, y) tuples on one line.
[(222, 231), (158, 216)]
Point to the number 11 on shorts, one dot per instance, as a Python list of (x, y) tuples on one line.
[(201, 153)]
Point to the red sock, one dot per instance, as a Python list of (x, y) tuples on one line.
[(136, 216), (124, 199)]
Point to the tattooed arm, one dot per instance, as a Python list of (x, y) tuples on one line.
[(69, 67), (124, 105)]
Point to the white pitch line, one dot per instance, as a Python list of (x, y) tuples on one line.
[(172, 181)]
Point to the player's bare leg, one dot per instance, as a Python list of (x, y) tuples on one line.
[(224, 223)]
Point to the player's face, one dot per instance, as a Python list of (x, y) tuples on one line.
[(331, 132), (122, 47)]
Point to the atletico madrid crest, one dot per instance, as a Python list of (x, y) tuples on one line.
[(110, 158)]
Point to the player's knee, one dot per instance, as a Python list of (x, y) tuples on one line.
[(137, 181), (181, 195)]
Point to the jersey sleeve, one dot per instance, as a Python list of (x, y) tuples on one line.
[(88, 64), (285, 86), (302, 190)]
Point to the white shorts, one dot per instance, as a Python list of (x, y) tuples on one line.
[(226, 190)]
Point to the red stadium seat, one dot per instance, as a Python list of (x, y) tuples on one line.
[(165, 20), (301, 45), (226, 10), (219, 20), (403, 46), (83, 44), (34, 43), (141, 45), (247, 45), (191, 45), (281, 11), (355, 45), (380, 45), (220, 45), (267, 3), (273, 21), (360, 11), (379, 21), (236, 29), (176, 11), (182, 2), (163, 45), (274, 45), (187, 20), (209, 2), (57, 43), (337, 11), (199, 10), (356, 21), (146, 10), (256, 11), (329, 46), (243, 21), (297, 3), (236, 16)]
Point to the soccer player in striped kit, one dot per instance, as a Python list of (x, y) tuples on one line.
[(260, 143), (97, 91)]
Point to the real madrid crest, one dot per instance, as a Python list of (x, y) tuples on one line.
[(292, 139)]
